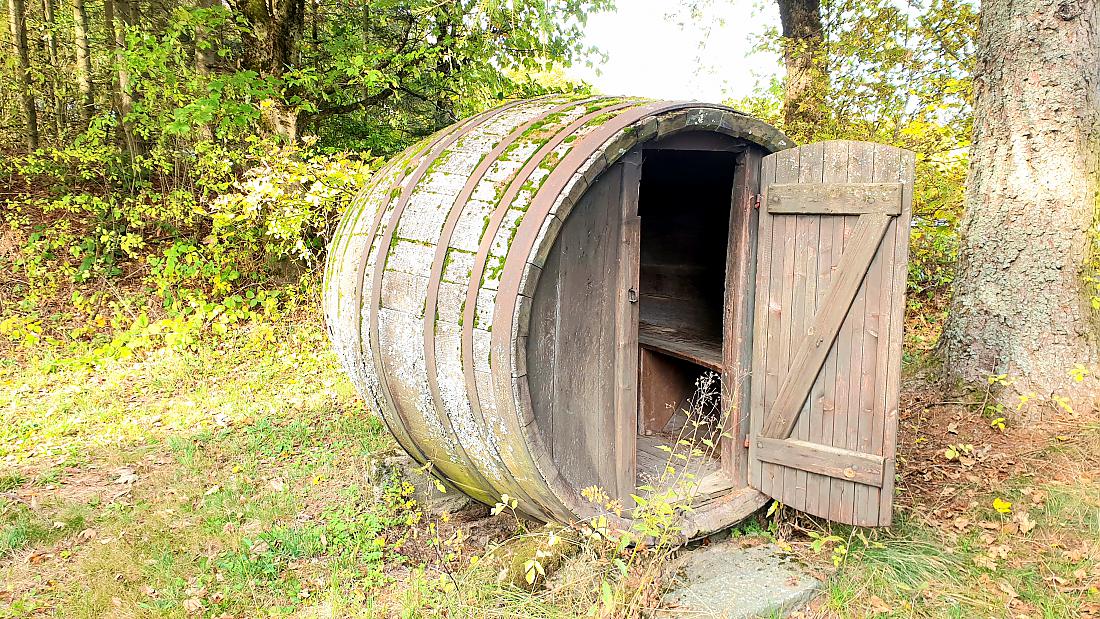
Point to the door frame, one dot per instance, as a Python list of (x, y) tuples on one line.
[(739, 312)]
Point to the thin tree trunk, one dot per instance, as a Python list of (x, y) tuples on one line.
[(270, 46), (119, 15), (804, 58), (83, 61), (17, 19), (205, 55), (55, 85), (1021, 305)]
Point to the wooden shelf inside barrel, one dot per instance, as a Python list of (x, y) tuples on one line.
[(682, 345)]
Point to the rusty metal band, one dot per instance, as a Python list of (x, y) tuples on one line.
[(481, 259), (340, 243), (380, 264), (338, 256), (394, 426), (502, 346), (432, 296)]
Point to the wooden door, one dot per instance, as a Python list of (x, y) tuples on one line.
[(831, 268), (582, 350)]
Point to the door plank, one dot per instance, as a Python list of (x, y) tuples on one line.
[(834, 198), (908, 166), (765, 254), (810, 355), (835, 394), (861, 468), (811, 171), (860, 170)]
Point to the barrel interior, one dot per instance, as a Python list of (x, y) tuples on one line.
[(684, 208), (681, 336)]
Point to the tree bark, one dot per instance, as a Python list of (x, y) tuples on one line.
[(55, 84), (17, 19), (1021, 305), (119, 16), (205, 57), (83, 61), (804, 58), (269, 46)]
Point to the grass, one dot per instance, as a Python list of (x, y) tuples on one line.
[(228, 481)]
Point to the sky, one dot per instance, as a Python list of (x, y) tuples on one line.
[(650, 54)]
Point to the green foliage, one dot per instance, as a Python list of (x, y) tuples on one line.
[(203, 190), (899, 74)]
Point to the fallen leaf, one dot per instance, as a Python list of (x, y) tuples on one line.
[(878, 605), (1023, 519), (193, 606), (126, 476)]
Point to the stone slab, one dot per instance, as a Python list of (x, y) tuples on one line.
[(729, 581)]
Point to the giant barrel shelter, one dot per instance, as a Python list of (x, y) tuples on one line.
[(569, 300)]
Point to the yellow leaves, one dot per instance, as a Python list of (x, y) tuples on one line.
[(1063, 403), (960, 452), (505, 502), (1002, 506), (1079, 372)]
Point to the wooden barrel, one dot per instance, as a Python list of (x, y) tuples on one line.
[(432, 271)]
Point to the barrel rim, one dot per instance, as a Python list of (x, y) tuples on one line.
[(552, 206)]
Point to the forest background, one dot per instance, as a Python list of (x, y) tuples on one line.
[(176, 436)]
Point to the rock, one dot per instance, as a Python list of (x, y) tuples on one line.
[(393, 466), (550, 546), (729, 581)]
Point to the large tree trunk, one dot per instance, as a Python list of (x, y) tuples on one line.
[(17, 18), (83, 61), (269, 46), (804, 57), (1021, 305)]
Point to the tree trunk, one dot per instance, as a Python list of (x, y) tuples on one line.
[(55, 84), (804, 57), (205, 53), (83, 61), (269, 49), (1021, 305), (17, 19), (119, 15), (205, 57)]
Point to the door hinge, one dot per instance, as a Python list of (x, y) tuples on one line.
[(746, 443), (756, 200)]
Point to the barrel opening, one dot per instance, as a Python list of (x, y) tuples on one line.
[(684, 207)]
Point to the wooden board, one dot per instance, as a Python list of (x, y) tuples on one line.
[(697, 479), (827, 329), (682, 345), (574, 348)]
